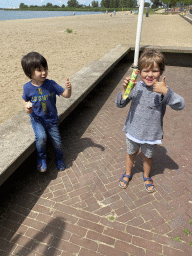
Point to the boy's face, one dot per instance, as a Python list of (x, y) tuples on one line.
[(39, 75), (150, 75)]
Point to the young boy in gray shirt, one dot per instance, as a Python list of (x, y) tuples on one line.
[(144, 123)]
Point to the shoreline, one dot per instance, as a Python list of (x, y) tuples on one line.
[(91, 38)]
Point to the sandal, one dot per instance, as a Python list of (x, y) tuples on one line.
[(149, 185), (124, 181), (60, 165), (41, 165)]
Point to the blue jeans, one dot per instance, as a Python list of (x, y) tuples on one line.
[(41, 129)]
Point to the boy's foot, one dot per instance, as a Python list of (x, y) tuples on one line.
[(149, 186), (60, 165), (41, 165), (124, 180)]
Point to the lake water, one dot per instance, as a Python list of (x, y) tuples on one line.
[(15, 15)]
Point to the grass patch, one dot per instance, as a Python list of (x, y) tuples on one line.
[(111, 218), (68, 30), (187, 232), (176, 239), (190, 243), (191, 222)]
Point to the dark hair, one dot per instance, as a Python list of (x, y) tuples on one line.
[(148, 57), (31, 61)]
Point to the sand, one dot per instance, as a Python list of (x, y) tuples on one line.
[(92, 37)]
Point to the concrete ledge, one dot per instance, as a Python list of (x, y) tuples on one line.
[(187, 18), (17, 136)]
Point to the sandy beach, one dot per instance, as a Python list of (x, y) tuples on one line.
[(92, 37)]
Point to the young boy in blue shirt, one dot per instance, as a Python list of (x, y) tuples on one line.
[(39, 100), (144, 123)]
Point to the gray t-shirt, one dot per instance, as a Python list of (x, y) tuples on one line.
[(145, 118)]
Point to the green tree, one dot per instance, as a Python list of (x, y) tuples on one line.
[(49, 5), (23, 6), (147, 4), (95, 4), (156, 3), (172, 3), (72, 3), (105, 3), (114, 4)]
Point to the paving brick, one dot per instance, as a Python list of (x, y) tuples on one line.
[(162, 229), (113, 224), (99, 237), (157, 222), (86, 252), (136, 222), (103, 211), (110, 251), (20, 250), (118, 235), (126, 217), (64, 208), (129, 248), (139, 232), (84, 242), (9, 246), (64, 217), (87, 216), (90, 225), (92, 207), (64, 245), (170, 251), (80, 231), (144, 243)]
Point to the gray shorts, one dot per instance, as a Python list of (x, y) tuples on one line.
[(133, 147)]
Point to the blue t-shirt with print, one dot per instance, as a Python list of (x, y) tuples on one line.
[(43, 99)]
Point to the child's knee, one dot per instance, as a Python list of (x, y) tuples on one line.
[(41, 138)]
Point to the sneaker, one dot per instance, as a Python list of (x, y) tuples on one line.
[(60, 165), (41, 165)]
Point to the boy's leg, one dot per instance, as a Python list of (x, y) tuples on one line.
[(147, 152), (40, 137), (132, 151), (53, 131), (130, 160)]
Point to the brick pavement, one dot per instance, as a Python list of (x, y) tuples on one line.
[(82, 211)]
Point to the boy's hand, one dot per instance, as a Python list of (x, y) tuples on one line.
[(67, 92), (28, 107), (160, 87), (68, 84), (125, 84)]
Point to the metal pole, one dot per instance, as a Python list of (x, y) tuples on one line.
[(138, 36)]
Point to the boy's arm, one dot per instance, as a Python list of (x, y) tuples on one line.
[(68, 90), (172, 99)]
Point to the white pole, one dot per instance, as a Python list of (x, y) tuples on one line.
[(138, 36)]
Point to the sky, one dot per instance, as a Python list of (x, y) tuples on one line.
[(16, 3)]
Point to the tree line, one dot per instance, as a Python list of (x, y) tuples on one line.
[(170, 3), (94, 4), (109, 4)]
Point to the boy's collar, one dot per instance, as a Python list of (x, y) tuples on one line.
[(142, 83), (148, 87)]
